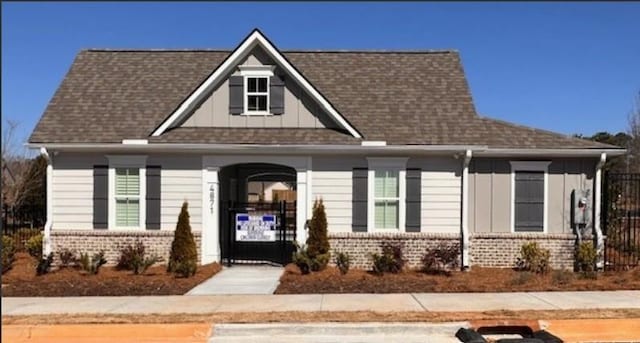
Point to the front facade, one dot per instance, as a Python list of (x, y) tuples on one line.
[(390, 141)]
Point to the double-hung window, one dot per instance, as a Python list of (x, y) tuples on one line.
[(127, 191), (387, 199), (127, 197), (386, 194)]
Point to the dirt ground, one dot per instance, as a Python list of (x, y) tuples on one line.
[(22, 281), (306, 317), (476, 280)]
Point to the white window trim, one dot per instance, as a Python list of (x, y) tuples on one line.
[(387, 163), (534, 166), (128, 161), (260, 71)]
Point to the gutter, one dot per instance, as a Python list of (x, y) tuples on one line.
[(478, 150), (597, 209), (49, 222)]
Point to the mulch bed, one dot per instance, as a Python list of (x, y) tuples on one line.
[(21, 281), (476, 280)]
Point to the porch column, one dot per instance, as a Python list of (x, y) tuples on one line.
[(210, 239), (303, 203), (465, 210), (596, 219)]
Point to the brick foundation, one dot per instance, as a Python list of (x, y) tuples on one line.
[(502, 249), (359, 245), (92, 241), (486, 249)]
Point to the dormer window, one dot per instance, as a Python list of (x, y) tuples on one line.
[(257, 95)]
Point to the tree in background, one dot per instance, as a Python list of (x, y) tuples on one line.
[(633, 158), (621, 139)]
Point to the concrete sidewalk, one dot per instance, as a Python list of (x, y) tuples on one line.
[(445, 302), (241, 279)]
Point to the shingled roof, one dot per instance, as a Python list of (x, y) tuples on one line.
[(398, 97)]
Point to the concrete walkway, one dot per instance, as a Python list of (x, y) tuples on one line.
[(445, 302), (241, 279)]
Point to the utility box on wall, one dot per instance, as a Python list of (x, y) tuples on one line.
[(581, 207)]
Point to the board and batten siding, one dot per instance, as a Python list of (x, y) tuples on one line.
[(300, 111), (181, 179), (490, 193)]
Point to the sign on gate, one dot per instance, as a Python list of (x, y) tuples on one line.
[(255, 228)]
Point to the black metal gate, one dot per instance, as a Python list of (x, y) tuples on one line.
[(241, 240), (621, 220)]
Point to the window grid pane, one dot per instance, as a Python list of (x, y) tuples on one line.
[(127, 181), (127, 212)]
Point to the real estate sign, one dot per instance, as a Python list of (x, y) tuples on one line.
[(255, 228)]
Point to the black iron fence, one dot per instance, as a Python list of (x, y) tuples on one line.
[(621, 220), (22, 223), (258, 231)]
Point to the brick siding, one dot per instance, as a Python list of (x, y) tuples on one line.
[(359, 245), (502, 249), (92, 241)]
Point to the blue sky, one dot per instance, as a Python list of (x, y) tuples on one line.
[(566, 67)]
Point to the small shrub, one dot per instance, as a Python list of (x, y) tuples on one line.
[(533, 258), (343, 262), (44, 265), (129, 254), (561, 277), (92, 264), (34, 246), (391, 260), (185, 268), (67, 258), (301, 259), (441, 260), (8, 253), (22, 236), (586, 258), (184, 255), (523, 278)]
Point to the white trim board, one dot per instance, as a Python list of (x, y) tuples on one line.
[(254, 39), (542, 166)]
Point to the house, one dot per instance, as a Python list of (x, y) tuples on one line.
[(390, 140)]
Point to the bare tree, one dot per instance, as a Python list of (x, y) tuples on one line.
[(15, 165), (633, 154)]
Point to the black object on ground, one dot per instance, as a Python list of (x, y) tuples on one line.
[(528, 336)]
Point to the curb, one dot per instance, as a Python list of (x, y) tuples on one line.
[(107, 333)]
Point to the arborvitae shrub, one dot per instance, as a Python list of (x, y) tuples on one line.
[(184, 255), (318, 242)]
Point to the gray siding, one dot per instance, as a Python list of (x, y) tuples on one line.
[(181, 179), (299, 110), (490, 193)]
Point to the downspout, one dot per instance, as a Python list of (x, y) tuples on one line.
[(465, 210), (597, 221), (48, 224)]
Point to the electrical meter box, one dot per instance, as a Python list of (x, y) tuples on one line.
[(581, 207)]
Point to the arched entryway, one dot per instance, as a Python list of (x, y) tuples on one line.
[(257, 212)]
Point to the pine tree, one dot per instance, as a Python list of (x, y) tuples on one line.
[(318, 242), (184, 255)]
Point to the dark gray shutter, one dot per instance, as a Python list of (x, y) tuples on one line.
[(153, 198), (276, 94), (413, 199), (360, 197), (529, 201), (236, 94), (100, 197)]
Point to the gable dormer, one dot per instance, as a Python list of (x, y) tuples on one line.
[(256, 86)]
